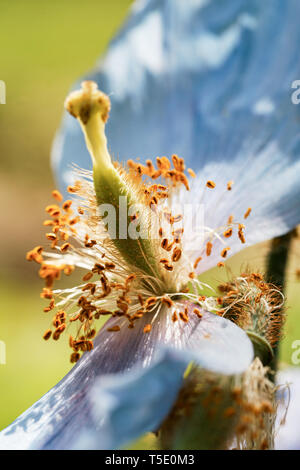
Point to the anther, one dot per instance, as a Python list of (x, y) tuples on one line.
[(57, 195), (198, 312), (210, 184), (47, 334), (247, 213), (208, 248), (225, 251), (66, 205), (114, 328), (191, 173), (184, 317), (174, 317), (228, 233), (176, 255), (147, 328), (167, 301), (197, 262), (64, 248)]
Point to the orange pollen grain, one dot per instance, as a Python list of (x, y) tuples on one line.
[(184, 317), (168, 267), (35, 255), (247, 213), (64, 248), (210, 184), (57, 195), (191, 173), (228, 233), (208, 248), (174, 317), (197, 262), (150, 302), (66, 205), (167, 301), (176, 255), (225, 251), (198, 312), (47, 334), (114, 328), (147, 328)]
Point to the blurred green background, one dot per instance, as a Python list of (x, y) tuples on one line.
[(45, 46)]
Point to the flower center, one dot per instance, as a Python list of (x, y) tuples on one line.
[(122, 228)]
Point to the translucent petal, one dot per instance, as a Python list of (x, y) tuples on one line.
[(68, 416), (211, 81)]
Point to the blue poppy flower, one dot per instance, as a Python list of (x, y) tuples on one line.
[(210, 81)]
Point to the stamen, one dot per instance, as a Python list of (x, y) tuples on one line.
[(47, 334), (208, 248), (197, 262), (225, 251), (247, 213), (228, 233), (114, 328), (191, 173), (57, 195)]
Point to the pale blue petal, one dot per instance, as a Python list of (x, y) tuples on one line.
[(68, 415), (288, 432), (211, 81), (140, 400)]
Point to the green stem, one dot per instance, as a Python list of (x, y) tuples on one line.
[(276, 271)]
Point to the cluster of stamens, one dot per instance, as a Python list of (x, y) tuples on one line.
[(238, 412), (111, 288), (254, 305)]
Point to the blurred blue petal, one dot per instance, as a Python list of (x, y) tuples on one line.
[(85, 411), (124, 407), (288, 433), (211, 81)]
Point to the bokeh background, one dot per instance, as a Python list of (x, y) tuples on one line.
[(44, 47)]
